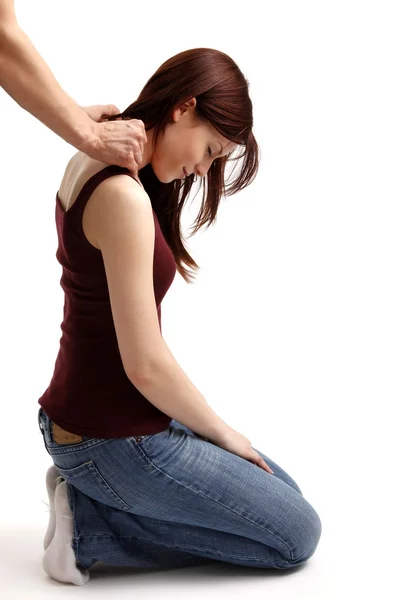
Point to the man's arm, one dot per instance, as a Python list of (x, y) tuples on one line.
[(26, 77), (7, 11)]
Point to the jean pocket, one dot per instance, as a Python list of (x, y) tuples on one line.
[(88, 480)]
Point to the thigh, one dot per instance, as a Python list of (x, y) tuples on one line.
[(278, 471), (177, 476)]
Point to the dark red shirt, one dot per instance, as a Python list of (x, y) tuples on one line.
[(90, 393)]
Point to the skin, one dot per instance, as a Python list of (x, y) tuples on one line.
[(26, 77), (187, 142)]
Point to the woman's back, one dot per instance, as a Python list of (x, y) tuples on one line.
[(78, 171)]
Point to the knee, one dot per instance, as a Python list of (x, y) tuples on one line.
[(306, 537)]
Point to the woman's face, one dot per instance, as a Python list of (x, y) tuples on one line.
[(187, 143)]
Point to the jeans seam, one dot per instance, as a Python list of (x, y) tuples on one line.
[(186, 548), (219, 503)]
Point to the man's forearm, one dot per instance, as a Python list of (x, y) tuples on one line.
[(26, 77)]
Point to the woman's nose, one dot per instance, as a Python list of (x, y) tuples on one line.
[(202, 170)]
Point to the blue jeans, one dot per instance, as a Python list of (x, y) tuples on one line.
[(173, 499)]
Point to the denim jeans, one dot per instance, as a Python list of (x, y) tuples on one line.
[(174, 499)]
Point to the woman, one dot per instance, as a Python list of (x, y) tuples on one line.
[(155, 477)]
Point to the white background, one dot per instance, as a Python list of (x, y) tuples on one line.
[(291, 330)]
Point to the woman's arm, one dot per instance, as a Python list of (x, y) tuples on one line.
[(26, 77)]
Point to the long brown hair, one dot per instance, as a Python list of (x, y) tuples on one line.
[(221, 91)]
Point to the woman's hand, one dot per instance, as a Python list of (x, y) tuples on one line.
[(236, 443), (119, 142)]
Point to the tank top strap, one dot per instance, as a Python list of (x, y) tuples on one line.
[(93, 181)]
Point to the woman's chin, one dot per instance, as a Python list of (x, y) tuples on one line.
[(166, 179), (162, 176)]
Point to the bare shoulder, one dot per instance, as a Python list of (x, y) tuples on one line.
[(118, 191), (121, 183), (114, 202)]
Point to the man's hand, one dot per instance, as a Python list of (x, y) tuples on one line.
[(26, 77), (115, 142), (98, 111)]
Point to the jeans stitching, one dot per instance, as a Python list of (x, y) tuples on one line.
[(216, 501), (188, 548)]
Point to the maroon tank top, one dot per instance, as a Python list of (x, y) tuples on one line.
[(89, 393)]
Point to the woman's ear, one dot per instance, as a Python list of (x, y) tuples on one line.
[(176, 114), (191, 103), (188, 105)]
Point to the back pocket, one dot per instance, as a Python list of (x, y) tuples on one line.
[(88, 480)]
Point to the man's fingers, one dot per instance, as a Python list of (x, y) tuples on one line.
[(111, 109), (120, 142), (132, 163), (141, 124)]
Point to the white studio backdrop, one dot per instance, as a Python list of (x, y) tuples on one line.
[(292, 328)]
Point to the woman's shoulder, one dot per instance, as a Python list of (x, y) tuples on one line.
[(79, 170)]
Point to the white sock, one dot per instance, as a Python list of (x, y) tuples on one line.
[(59, 560), (53, 478)]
